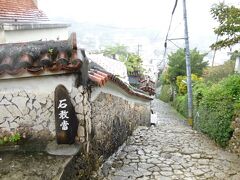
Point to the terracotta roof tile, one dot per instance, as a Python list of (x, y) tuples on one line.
[(20, 11), (147, 85), (148, 89), (39, 56)]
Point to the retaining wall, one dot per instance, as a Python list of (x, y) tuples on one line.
[(234, 143)]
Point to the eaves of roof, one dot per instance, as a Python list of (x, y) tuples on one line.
[(31, 26), (39, 57), (148, 89), (100, 78)]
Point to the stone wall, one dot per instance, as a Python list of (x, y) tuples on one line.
[(80, 100), (113, 119), (21, 109), (107, 122), (234, 143), (33, 112)]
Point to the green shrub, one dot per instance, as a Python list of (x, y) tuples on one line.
[(164, 78), (14, 138), (215, 106), (180, 104), (181, 83), (198, 93), (7, 137), (165, 94)]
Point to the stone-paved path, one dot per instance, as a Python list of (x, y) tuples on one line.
[(171, 150)]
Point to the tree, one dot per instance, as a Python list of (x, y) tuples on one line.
[(234, 55), (118, 49), (229, 25), (132, 61), (177, 64)]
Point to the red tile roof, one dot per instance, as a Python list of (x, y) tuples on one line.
[(147, 85), (39, 56), (55, 56), (20, 11), (100, 78), (148, 89)]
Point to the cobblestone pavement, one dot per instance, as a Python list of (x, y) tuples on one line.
[(171, 150)]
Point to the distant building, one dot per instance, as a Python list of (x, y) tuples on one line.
[(151, 68), (147, 85), (22, 21), (135, 78)]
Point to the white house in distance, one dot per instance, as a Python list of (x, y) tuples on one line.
[(113, 66), (22, 21), (151, 68)]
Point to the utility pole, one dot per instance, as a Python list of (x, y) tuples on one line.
[(188, 66), (138, 49)]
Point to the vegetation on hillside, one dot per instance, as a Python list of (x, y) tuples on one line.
[(132, 61), (217, 73)]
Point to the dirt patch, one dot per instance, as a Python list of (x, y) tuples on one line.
[(32, 166)]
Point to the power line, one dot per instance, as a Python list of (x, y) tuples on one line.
[(170, 24), (169, 27), (174, 8), (176, 27)]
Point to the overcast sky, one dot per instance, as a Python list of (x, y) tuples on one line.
[(140, 14), (128, 13)]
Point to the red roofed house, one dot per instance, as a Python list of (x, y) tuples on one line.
[(22, 21), (49, 92)]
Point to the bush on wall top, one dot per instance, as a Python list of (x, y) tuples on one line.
[(216, 109)]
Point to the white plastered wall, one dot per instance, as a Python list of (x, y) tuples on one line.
[(38, 84), (2, 37), (34, 35), (115, 90)]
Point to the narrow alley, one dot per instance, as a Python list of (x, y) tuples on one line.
[(171, 150)]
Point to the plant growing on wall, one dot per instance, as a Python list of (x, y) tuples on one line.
[(14, 138), (7, 138)]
